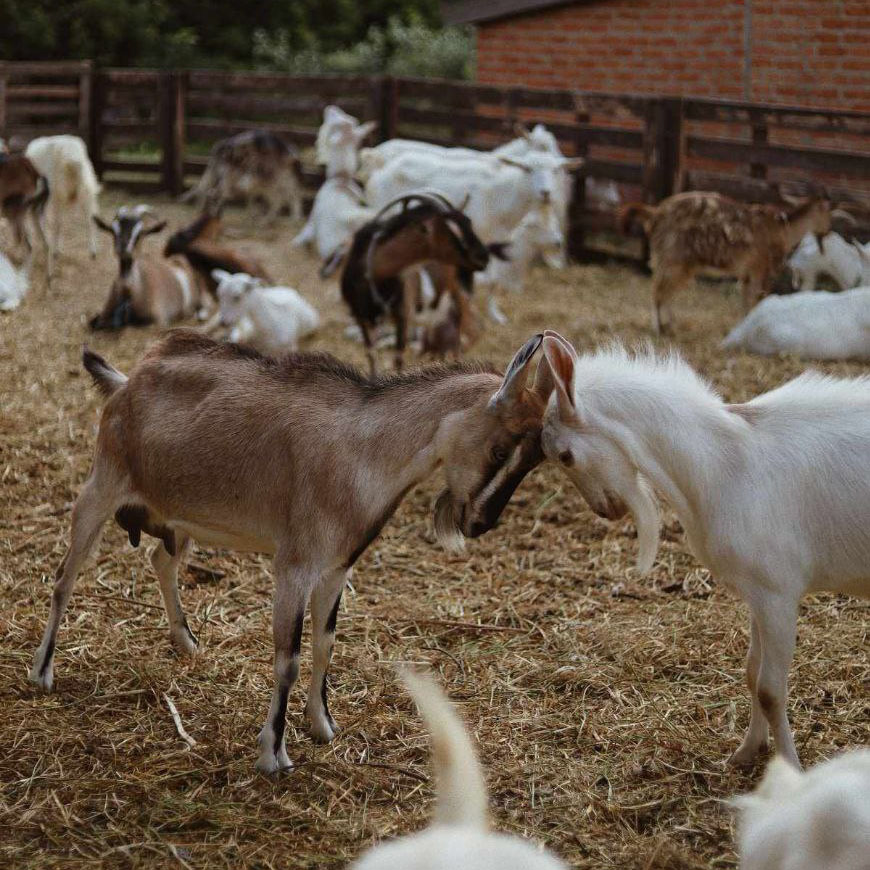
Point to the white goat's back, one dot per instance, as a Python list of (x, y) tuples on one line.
[(64, 161), (459, 837), (808, 821), (814, 325)]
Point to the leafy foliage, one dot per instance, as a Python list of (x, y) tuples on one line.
[(304, 34)]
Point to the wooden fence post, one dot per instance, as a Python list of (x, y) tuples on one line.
[(759, 137), (387, 105), (96, 102), (576, 230), (85, 92), (3, 75), (173, 92)]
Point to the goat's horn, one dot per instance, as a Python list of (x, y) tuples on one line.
[(842, 214)]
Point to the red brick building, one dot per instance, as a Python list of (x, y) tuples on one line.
[(800, 52)]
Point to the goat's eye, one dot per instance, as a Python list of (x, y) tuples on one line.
[(498, 453), (566, 458)]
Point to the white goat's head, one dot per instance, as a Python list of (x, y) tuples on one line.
[(546, 172), (231, 292)]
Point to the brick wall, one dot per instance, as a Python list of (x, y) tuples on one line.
[(809, 52)]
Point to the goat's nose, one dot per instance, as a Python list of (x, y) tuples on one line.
[(545, 195)]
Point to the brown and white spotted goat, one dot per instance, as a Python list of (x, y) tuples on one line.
[(255, 163), (427, 228), (23, 192), (698, 232), (149, 288), (303, 458)]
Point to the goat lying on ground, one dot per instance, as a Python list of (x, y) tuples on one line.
[(841, 260), (64, 162), (459, 837), (149, 288), (699, 232), (271, 320), (23, 192), (303, 458), (255, 163), (198, 243), (427, 228), (813, 325), (808, 821), (14, 282), (773, 494)]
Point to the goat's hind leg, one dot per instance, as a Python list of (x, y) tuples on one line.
[(755, 740), (166, 567), (292, 591), (325, 600), (91, 510)]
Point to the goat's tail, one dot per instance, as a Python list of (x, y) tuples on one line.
[(107, 378), (460, 787), (626, 215)]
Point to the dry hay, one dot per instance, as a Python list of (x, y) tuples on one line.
[(604, 705)]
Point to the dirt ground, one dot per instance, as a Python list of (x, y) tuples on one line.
[(603, 704)]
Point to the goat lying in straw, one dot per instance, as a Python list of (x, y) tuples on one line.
[(773, 494), (303, 458), (808, 821), (459, 836), (148, 288), (427, 228), (700, 232)]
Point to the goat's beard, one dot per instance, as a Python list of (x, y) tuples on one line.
[(447, 529), (644, 508)]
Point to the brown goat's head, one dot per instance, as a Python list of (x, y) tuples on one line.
[(490, 451), (127, 228)]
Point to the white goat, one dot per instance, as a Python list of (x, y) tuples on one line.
[(72, 183), (338, 141), (459, 835), (339, 210), (813, 325), (840, 259), (773, 494), (272, 320), (808, 821), (14, 283), (537, 234)]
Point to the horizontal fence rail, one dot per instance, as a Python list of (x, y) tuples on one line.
[(152, 130)]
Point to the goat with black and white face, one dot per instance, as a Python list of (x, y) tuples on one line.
[(426, 229), (303, 458), (149, 288)]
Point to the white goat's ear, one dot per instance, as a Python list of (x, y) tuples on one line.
[(522, 130), (363, 130), (517, 164), (517, 373), (220, 275), (561, 356)]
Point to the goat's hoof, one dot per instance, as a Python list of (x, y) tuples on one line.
[(745, 756), (42, 676), (184, 643), (271, 762), (323, 729)]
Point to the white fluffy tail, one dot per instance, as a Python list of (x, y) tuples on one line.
[(460, 787)]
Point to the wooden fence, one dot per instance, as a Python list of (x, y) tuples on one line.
[(152, 130)]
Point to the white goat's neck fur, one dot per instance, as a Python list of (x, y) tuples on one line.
[(676, 430)]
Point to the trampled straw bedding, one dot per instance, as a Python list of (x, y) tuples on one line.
[(603, 704)]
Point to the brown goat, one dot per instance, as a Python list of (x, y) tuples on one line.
[(198, 243), (149, 288), (426, 229), (303, 458), (23, 191), (449, 323), (696, 232)]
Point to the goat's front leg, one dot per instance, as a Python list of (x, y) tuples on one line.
[(166, 567), (292, 591), (756, 737), (368, 341), (325, 600), (402, 311), (777, 626)]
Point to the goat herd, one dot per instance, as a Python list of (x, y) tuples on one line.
[(253, 446)]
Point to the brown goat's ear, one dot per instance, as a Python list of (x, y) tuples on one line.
[(517, 373), (154, 228), (106, 228), (561, 361)]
